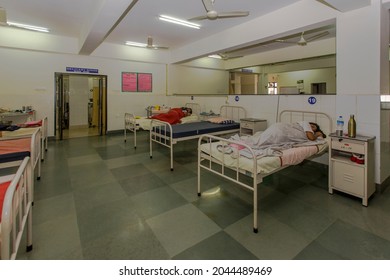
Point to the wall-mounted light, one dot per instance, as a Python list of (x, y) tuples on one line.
[(179, 21)]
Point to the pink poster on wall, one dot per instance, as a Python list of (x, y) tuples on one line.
[(129, 82), (145, 82)]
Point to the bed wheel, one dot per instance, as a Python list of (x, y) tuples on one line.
[(135, 147), (199, 194), (39, 178), (125, 140), (29, 248), (171, 169), (255, 230), (151, 156)]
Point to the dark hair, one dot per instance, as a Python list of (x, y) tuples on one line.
[(186, 109), (318, 128)]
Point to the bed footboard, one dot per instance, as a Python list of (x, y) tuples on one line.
[(207, 161), (130, 125), (44, 137), (161, 133), (16, 211)]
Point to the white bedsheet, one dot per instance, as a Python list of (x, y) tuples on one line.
[(265, 164)]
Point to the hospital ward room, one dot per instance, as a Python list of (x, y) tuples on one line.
[(275, 148)]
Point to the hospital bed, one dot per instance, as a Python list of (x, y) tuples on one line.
[(237, 168), (13, 151), (15, 210), (168, 135), (27, 129), (132, 123)]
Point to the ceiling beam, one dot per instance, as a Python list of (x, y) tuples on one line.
[(102, 21), (345, 5)]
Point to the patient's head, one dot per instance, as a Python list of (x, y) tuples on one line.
[(187, 111), (316, 128)]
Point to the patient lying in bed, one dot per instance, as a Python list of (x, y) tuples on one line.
[(280, 136), (174, 115)]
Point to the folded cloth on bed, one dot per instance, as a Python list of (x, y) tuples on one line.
[(276, 138), (31, 124), (220, 120), (8, 127)]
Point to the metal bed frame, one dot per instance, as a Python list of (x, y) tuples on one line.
[(35, 155), (159, 134), (208, 162), (17, 211), (132, 125)]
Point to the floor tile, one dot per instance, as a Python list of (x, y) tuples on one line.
[(181, 228), (220, 246), (156, 201), (274, 240)]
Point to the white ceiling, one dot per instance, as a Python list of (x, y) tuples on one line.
[(95, 21)]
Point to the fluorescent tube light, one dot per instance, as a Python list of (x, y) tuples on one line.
[(135, 44), (29, 27), (217, 56), (179, 21)]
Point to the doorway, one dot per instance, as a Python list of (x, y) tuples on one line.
[(81, 105)]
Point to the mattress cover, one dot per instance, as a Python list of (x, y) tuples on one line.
[(145, 123), (265, 165), (15, 149), (20, 132), (198, 128)]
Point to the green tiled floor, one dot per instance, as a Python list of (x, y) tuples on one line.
[(99, 198)]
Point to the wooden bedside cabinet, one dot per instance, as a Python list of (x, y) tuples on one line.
[(250, 126)]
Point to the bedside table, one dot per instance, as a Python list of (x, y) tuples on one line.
[(250, 126), (351, 165)]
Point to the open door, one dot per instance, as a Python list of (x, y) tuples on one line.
[(81, 105)]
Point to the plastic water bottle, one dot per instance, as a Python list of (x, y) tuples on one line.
[(340, 126)]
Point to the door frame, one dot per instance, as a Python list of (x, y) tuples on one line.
[(59, 102)]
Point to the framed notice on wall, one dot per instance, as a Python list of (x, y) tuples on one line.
[(145, 82), (129, 82), (136, 82)]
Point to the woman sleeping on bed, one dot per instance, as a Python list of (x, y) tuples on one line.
[(281, 136), (174, 115)]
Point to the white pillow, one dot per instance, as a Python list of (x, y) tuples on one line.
[(189, 119)]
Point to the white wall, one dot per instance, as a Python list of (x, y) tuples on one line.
[(78, 101), (27, 78)]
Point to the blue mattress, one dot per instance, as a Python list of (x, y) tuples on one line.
[(14, 156), (199, 128)]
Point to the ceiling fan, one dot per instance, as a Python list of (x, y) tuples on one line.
[(150, 44), (212, 14), (302, 41)]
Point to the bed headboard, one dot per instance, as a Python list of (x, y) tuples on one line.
[(232, 112), (195, 107), (322, 119)]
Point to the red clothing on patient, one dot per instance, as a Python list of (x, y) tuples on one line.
[(173, 116)]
